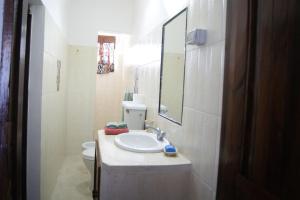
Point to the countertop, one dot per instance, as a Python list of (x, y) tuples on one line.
[(113, 156)]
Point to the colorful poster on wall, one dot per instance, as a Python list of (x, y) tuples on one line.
[(106, 50)]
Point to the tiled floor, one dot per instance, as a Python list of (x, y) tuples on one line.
[(73, 181)]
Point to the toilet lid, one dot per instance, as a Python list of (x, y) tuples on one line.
[(89, 154)]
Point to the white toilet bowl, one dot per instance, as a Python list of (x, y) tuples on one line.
[(88, 157), (88, 145)]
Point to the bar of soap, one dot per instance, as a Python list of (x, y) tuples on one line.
[(170, 149)]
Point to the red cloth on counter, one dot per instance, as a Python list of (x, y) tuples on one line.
[(115, 131)]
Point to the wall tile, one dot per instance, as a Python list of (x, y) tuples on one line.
[(215, 21), (199, 136), (216, 162), (201, 76), (209, 15), (194, 16), (199, 190), (224, 15), (53, 128), (193, 122), (210, 76), (191, 90), (207, 149), (203, 10), (81, 97), (49, 74)]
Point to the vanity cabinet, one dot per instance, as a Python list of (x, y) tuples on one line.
[(127, 175), (97, 173)]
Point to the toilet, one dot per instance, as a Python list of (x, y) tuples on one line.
[(134, 115), (88, 145), (88, 156)]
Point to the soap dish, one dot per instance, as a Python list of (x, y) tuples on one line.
[(170, 153)]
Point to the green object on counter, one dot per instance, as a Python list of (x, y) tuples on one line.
[(128, 96), (116, 125)]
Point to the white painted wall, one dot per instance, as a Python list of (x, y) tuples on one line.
[(149, 14), (87, 18), (57, 9), (35, 103)]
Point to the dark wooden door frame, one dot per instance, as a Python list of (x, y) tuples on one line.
[(239, 98), (12, 79), (239, 36), (5, 124), (18, 81)]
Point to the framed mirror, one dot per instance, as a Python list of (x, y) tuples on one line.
[(173, 68)]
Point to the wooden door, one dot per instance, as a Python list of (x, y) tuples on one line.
[(259, 154), (13, 21)]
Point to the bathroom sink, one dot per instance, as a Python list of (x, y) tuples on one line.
[(142, 142)]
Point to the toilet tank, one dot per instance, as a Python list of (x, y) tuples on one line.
[(134, 115)]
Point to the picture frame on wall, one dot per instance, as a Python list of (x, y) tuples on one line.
[(106, 53)]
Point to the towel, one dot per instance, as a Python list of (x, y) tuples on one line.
[(116, 125), (114, 131)]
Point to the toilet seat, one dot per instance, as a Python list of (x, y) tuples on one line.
[(89, 154), (88, 145)]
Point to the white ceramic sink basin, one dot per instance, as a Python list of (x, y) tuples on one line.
[(142, 142)]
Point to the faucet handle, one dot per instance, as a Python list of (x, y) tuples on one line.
[(151, 127), (161, 135), (148, 127)]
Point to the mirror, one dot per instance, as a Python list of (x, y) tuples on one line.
[(172, 68)]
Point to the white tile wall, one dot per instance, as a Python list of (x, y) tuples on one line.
[(199, 190), (81, 96), (199, 136), (53, 107)]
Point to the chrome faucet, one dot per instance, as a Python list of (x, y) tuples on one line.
[(159, 133)]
